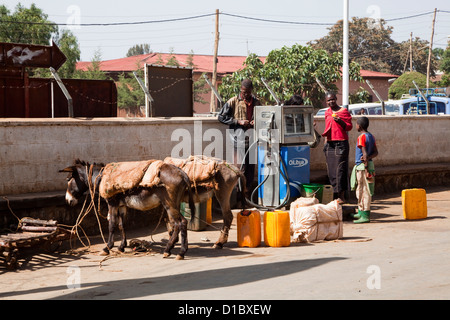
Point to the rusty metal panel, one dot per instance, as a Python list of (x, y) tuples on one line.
[(172, 90), (12, 100), (25, 97), (91, 98)]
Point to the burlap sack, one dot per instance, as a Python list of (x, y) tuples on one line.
[(151, 176), (199, 169), (119, 177), (314, 221)]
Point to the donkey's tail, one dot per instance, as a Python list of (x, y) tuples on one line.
[(243, 189)]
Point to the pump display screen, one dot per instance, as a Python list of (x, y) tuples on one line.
[(294, 123), (287, 124)]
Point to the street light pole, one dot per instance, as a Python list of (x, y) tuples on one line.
[(345, 66)]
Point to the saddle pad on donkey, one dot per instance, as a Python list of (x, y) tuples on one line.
[(198, 168), (151, 176), (119, 177)]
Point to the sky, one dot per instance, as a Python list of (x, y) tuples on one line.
[(238, 36)]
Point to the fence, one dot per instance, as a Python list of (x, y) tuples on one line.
[(24, 97)]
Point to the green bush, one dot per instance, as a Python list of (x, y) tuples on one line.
[(405, 82)]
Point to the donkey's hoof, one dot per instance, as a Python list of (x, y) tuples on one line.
[(218, 245), (104, 252), (179, 257), (166, 255)]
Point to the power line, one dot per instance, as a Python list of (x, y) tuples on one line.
[(277, 21), (111, 23), (203, 16), (412, 16)]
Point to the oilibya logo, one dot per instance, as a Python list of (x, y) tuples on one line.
[(298, 162)]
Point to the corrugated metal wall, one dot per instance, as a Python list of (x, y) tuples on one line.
[(172, 90), (32, 98)]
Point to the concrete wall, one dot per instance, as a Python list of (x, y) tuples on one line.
[(401, 140), (33, 150)]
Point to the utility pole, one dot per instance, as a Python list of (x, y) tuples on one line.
[(410, 52), (407, 57), (430, 50), (212, 107), (345, 65)]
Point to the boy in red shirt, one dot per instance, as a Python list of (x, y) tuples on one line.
[(364, 170)]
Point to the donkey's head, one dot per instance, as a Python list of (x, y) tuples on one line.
[(77, 181)]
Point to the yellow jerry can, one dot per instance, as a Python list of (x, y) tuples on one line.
[(249, 228), (277, 229), (414, 204)]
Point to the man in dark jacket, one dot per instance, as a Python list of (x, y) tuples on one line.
[(238, 114)]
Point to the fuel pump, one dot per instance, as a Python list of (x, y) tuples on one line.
[(283, 134)]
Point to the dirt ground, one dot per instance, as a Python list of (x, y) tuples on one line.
[(389, 258)]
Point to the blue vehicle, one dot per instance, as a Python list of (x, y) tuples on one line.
[(438, 100)]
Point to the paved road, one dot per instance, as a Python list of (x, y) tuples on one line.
[(389, 258)]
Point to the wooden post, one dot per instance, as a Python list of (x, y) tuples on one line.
[(213, 107), (410, 53), (430, 50)]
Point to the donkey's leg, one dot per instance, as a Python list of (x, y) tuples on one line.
[(184, 240), (223, 196), (173, 237), (112, 214), (121, 215)]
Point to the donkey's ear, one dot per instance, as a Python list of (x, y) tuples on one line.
[(68, 169)]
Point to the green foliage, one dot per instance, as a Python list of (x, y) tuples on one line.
[(405, 82), (371, 46), (289, 71), (68, 44), (139, 49), (93, 71), (360, 96), (444, 66), (39, 31), (367, 38), (13, 31), (445, 60), (129, 93), (172, 61)]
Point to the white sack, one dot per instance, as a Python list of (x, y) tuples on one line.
[(311, 221)]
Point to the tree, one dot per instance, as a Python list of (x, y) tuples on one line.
[(129, 92), (139, 49), (31, 26), (445, 66), (370, 44), (93, 71), (420, 50), (26, 25), (289, 71), (68, 44), (405, 82), (200, 86), (172, 61)]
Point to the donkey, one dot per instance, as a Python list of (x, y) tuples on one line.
[(222, 182), (169, 193)]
